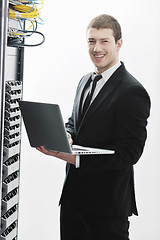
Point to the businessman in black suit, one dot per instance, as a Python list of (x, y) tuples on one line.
[(98, 195)]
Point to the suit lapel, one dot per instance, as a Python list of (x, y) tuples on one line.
[(104, 93), (79, 97)]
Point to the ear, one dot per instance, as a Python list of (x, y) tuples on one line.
[(119, 44)]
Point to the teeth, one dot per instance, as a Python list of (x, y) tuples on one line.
[(99, 56)]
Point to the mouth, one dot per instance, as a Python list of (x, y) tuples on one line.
[(99, 57)]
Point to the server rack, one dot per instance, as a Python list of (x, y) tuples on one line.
[(11, 78), (11, 91)]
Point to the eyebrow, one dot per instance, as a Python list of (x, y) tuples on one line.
[(98, 39)]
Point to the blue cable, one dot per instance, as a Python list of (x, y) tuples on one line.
[(42, 23), (32, 6), (20, 23)]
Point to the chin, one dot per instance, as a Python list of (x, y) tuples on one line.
[(101, 68)]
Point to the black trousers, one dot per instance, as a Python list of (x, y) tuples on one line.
[(77, 226)]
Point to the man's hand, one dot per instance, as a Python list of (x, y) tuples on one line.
[(70, 139), (63, 156)]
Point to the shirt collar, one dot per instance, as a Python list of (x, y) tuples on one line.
[(107, 74)]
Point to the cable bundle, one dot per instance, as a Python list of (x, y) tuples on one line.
[(26, 12), (23, 12)]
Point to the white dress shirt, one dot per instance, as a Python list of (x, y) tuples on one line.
[(105, 76)]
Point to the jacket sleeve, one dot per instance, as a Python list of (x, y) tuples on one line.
[(131, 113), (70, 127)]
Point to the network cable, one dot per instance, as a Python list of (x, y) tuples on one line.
[(23, 12), (17, 42)]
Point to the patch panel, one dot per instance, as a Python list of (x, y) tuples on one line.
[(11, 160)]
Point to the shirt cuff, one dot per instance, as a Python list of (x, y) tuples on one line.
[(77, 161)]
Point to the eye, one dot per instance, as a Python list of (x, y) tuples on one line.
[(105, 41), (91, 42)]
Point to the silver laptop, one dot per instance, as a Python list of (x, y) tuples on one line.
[(45, 127)]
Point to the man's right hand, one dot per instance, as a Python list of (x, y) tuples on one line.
[(70, 139)]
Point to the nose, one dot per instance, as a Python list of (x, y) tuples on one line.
[(97, 47)]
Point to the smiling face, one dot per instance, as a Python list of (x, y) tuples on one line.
[(103, 49)]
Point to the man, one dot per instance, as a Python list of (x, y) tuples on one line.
[(98, 194)]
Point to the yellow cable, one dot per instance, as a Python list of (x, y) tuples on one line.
[(42, 2), (21, 34), (17, 15), (27, 9), (27, 12)]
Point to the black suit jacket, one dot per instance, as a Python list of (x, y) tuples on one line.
[(117, 119)]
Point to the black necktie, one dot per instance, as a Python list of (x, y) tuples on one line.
[(90, 94)]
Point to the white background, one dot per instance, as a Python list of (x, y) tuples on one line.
[(51, 74)]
